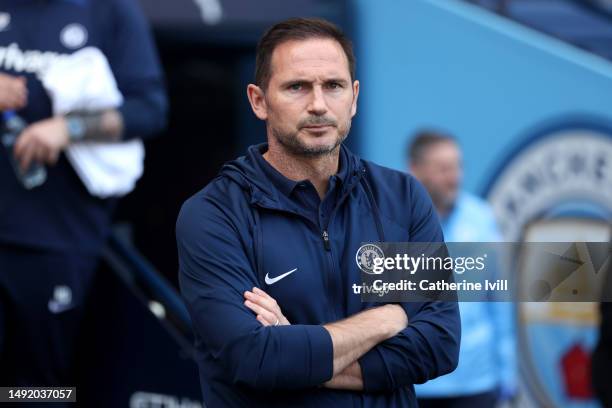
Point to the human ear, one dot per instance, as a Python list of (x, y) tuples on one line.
[(257, 100), (355, 96)]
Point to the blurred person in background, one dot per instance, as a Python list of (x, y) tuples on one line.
[(487, 370), (51, 235)]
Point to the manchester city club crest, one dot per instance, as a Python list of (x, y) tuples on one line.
[(557, 187), (365, 257)]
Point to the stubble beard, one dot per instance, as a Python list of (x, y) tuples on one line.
[(294, 146)]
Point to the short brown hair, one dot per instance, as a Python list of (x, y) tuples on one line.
[(297, 29), (423, 140)]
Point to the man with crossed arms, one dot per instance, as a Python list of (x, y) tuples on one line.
[(267, 249)]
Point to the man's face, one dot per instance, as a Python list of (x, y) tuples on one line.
[(310, 99), (440, 172)]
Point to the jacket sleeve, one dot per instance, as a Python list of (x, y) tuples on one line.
[(429, 346), (133, 59), (214, 272)]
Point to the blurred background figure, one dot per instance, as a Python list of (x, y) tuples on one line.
[(487, 372), (52, 227)]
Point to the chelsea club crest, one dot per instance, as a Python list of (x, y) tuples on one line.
[(365, 257)]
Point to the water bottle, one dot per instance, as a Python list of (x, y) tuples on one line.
[(36, 174)]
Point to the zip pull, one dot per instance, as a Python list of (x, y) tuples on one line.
[(326, 243)]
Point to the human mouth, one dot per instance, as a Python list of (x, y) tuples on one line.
[(317, 127)]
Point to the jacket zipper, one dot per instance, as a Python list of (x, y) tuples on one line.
[(326, 243)]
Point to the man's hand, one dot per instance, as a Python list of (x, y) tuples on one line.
[(265, 307), (13, 92), (42, 142)]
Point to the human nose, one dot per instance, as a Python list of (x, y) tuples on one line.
[(317, 106)]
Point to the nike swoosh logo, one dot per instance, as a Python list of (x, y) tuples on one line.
[(271, 281)]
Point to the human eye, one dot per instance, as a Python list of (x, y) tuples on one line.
[(295, 86), (334, 85)]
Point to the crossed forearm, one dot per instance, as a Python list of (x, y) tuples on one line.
[(351, 337), (349, 379), (356, 335)]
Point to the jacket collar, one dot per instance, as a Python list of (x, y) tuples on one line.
[(268, 187), (282, 183)]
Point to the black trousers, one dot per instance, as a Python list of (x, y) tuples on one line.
[(42, 297)]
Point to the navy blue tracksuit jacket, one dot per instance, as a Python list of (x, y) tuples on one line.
[(250, 222)]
